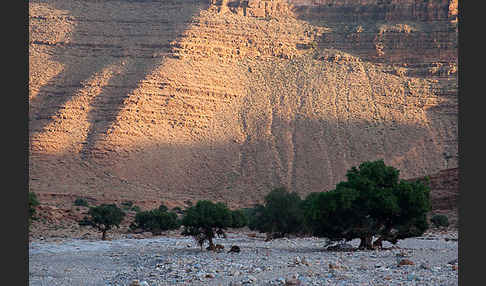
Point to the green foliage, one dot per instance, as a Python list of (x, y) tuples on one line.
[(238, 219), (33, 202), (439, 220), (206, 219), (104, 218), (163, 208), (254, 216), (372, 202), (129, 206), (80, 202), (156, 221), (330, 214), (178, 210), (280, 216)]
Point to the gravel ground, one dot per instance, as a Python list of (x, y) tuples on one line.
[(298, 261)]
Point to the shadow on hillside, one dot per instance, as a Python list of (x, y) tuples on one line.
[(313, 158), (110, 34)]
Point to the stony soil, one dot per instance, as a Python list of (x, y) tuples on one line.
[(63, 253), (170, 259)]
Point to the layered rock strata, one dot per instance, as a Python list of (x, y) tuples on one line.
[(185, 100)]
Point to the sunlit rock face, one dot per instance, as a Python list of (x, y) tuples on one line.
[(225, 100)]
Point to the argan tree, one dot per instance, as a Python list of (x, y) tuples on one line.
[(439, 220), (156, 220), (103, 217), (205, 220), (238, 219), (371, 202), (280, 216)]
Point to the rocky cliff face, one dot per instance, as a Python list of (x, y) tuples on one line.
[(184, 100)]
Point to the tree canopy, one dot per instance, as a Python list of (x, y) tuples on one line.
[(371, 202), (104, 217), (205, 220), (280, 216)]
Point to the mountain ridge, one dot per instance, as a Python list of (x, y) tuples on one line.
[(227, 100)]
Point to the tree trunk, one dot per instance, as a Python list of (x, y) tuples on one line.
[(211, 244), (366, 242), (378, 243)]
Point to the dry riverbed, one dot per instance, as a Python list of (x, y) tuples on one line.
[(175, 260)]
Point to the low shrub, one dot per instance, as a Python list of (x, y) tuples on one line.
[(80, 202), (33, 202), (129, 206), (439, 220)]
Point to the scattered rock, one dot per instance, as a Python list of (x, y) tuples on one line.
[(304, 261), (363, 267), (336, 266), (340, 247), (292, 282), (411, 277), (235, 273), (402, 254), (424, 266), (135, 283), (405, 262)]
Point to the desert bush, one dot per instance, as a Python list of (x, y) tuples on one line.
[(439, 220), (163, 208), (178, 210), (126, 205), (103, 218), (205, 220), (129, 206), (80, 202), (155, 221), (33, 202)]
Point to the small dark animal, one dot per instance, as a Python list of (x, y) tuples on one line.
[(234, 248)]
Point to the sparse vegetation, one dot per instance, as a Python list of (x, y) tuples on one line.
[(103, 218), (80, 202), (163, 208), (129, 206), (33, 203), (205, 220), (156, 221), (178, 210), (439, 220)]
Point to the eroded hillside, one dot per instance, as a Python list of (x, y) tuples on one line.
[(184, 100)]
